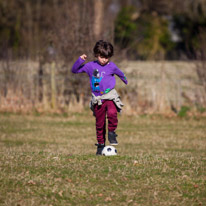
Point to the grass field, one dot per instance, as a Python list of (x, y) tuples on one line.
[(50, 160)]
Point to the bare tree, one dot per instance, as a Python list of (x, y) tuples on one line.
[(98, 18)]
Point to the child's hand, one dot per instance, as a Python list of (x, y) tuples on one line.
[(83, 56)]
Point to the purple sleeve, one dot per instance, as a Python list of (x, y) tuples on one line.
[(120, 74), (78, 66)]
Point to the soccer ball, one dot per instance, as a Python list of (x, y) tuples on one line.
[(109, 151)]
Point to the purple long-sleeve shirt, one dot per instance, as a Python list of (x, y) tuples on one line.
[(102, 78)]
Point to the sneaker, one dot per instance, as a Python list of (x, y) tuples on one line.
[(100, 147), (112, 138)]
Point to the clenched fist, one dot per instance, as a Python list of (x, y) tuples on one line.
[(83, 56)]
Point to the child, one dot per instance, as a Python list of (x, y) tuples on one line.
[(105, 100)]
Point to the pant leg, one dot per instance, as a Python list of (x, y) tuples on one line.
[(100, 114), (111, 116)]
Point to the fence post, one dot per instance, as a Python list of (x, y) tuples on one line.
[(53, 85)]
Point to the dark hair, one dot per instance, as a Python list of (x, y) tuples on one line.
[(103, 48)]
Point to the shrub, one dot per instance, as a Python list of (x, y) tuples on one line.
[(183, 111)]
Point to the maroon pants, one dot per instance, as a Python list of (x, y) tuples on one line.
[(108, 109)]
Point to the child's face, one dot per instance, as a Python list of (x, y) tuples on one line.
[(102, 60)]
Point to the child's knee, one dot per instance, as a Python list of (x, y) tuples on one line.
[(112, 113)]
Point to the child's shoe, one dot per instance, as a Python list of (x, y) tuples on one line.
[(100, 147), (112, 138)]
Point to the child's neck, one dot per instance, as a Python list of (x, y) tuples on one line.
[(102, 64)]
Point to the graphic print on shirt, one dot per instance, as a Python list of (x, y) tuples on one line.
[(96, 79)]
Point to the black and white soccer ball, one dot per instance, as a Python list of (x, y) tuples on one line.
[(109, 151)]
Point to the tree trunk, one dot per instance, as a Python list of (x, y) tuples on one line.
[(30, 28), (98, 18)]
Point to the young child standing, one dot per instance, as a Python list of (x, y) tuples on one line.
[(105, 100)]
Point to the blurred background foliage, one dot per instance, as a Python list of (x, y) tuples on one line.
[(144, 36), (157, 30), (140, 29)]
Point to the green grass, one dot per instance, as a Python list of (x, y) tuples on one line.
[(50, 160)]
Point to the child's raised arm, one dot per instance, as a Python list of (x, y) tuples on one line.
[(78, 66)]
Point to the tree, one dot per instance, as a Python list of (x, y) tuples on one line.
[(144, 35)]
